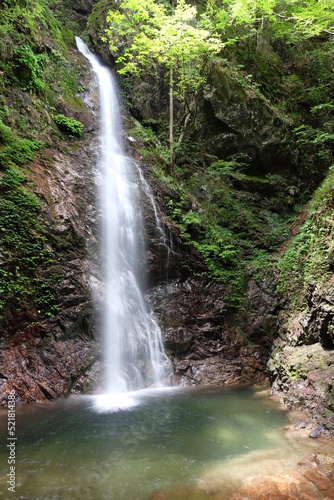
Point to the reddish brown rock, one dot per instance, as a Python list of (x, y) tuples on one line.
[(316, 481), (207, 345), (39, 372)]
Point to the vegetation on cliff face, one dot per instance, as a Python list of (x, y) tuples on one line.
[(308, 260), (23, 247), (38, 78), (233, 205)]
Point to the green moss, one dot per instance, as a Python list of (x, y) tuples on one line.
[(6, 134), (306, 260), (23, 248), (14, 149)]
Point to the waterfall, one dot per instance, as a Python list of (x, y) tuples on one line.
[(165, 235), (134, 356)]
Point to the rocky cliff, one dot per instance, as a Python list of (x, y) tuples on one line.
[(49, 234)]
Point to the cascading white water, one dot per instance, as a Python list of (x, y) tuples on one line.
[(166, 237), (133, 351)]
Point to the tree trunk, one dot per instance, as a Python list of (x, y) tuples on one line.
[(171, 121)]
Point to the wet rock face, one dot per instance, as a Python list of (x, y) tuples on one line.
[(83, 6), (207, 347), (163, 256), (79, 10), (317, 324), (238, 122), (39, 366), (259, 316), (302, 362), (49, 357)]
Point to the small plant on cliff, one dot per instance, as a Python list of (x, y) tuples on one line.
[(30, 67), (6, 134), (69, 125), (323, 139)]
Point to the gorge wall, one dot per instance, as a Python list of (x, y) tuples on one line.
[(246, 293)]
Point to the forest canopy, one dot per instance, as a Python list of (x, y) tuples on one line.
[(147, 35), (292, 19)]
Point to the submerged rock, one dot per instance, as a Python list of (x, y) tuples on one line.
[(311, 479)]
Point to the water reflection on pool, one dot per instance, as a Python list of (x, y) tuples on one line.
[(93, 447)]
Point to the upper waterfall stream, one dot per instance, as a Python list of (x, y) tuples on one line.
[(133, 350)]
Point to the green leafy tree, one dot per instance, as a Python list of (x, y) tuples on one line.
[(293, 19), (298, 20), (146, 35)]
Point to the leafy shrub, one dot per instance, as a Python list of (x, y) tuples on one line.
[(30, 68), (69, 125)]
